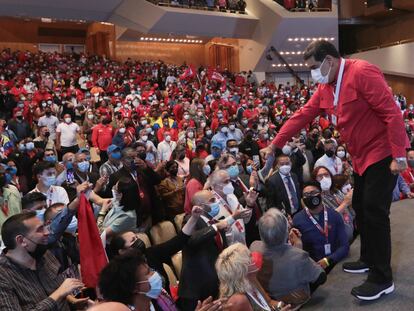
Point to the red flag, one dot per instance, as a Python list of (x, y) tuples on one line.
[(215, 75), (188, 73), (92, 254)]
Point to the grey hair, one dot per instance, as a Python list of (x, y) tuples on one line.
[(221, 163), (127, 150), (216, 177), (273, 228)]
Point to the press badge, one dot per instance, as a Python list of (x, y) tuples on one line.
[(327, 249)]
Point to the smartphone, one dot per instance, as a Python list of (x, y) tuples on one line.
[(87, 292)]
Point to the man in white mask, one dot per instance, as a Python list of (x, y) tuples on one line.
[(359, 103)]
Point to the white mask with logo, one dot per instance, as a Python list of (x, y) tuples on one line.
[(317, 75)]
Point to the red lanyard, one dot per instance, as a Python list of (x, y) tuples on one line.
[(324, 231), (223, 202)]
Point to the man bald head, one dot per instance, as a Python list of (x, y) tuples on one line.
[(202, 197), (109, 306)]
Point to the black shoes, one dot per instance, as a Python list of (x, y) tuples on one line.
[(355, 267), (372, 291)]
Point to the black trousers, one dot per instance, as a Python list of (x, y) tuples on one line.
[(371, 201)]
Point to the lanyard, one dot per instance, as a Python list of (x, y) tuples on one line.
[(334, 119), (324, 231), (338, 83)]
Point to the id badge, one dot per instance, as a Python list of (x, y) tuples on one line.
[(327, 249)]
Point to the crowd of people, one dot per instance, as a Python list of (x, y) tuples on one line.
[(221, 5), (303, 5), (144, 142)]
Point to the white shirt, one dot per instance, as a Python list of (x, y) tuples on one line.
[(334, 164), (68, 134), (55, 194), (51, 122), (165, 149)]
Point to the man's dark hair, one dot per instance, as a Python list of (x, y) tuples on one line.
[(117, 280), (50, 210), (280, 156), (118, 243), (230, 141), (13, 227), (42, 166), (312, 184), (33, 197), (319, 50)]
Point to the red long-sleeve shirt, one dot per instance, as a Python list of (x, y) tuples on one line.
[(102, 136), (369, 121)]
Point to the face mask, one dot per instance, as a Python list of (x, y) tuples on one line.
[(22, 147), (83, 166), (122, 130), (142, 155), (234, 150), (139, 245), (144, 122), (317, 75), (232, 127), (49, 180), (12, 170), (216, 154), (224, 130), (40, 214), (155, 282), (203, 124), (233, 171), (410, 163), (39, 251), (249, 169), (208, 132), (168, 138), (214, 209), (285, 169), (144, 138), (287, 150), (90, 116), (326, 183), (186, 117), (245, 122), (206, 169), (30, 146), (219, 115), (329, 153), (190, 135), (68, 120), (228, 188), (346, 188), (50, 158), (341, 154), (149, 130), (116, 155), (313, 201)]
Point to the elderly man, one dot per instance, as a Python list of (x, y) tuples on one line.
[(288, 273), (230, 208), (201, 252), (166, 147)]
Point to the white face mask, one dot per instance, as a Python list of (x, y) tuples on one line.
[(287, 150), (228, 189), (68, 120), (168, 138), (326, 183), (190, 134), (317, 75), (122, 130), (285, 169), (341, 154), (346, 188), (144, 138)]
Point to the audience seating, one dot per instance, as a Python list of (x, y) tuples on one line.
[(178, 221), (162, 232), (171, 276), (144, 238), (177, 261)]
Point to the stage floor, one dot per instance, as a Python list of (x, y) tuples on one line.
[(335, 293)]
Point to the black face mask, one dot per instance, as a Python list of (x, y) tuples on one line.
[(313, 201), (142, 156), (48, 113), (173, 172), (139, 245), (39, 251), (181, 156), (330, 153), (47, 134)]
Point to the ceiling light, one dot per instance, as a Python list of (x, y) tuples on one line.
[(273, 65), (287, 53), (279, 65), (300, 64), (332, 39), (308, 39), (390, 9), (290, 39), (142, 38), (282, 53), (326, 39), (302, 39), (168, 40), (296, 39)]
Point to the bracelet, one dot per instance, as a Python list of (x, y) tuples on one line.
[(102, 214)]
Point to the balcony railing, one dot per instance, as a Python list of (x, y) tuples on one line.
[(306, 5), (229, 6)]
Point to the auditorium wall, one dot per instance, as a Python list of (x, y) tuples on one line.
[(402, 85)]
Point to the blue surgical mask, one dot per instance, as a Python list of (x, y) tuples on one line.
[(216, 154), (249, 169), (12, 170), (30, 146), (8, 178), (40, 214), (51, 158), (69, 165), (49, 180), (155, 282), (233, 171), (206, 169), (83, 166), (116, 155), (214, 209)]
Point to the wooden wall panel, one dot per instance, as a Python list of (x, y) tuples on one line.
[(14, 46), (402, 85), (168, 52)]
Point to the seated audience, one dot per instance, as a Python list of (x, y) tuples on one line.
[(329, 160)]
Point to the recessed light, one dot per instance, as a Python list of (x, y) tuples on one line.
[(290, 39)]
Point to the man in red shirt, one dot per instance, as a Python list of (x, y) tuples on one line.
[(102, 135), (356, 96)]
